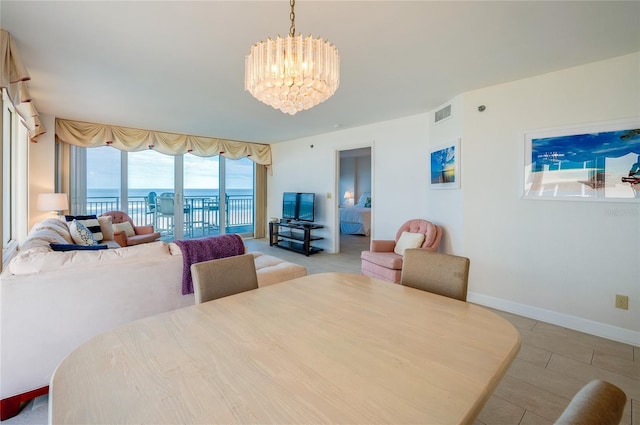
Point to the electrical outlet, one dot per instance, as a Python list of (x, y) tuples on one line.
[(622, 302)]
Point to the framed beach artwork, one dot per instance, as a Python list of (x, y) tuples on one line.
[(445, 166), (596, 162)]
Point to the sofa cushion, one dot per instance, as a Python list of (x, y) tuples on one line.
[(41, 238), (80, 234), (389, 260), (90, 222), (145, 238), (36, 261), (58, 226), (106, 226)]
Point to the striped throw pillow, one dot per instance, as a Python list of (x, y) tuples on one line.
[(90, 222)]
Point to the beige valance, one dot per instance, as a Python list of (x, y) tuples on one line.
[(13, 77), (133, 140)]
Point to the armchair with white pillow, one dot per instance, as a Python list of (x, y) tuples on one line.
[(126, 233), (385, 257)]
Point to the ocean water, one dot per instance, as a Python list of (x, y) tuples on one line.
[(97, 194)]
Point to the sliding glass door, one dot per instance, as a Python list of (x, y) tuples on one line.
[(202, 195), (239, 194), (182, 196)]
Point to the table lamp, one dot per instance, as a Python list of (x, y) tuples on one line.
[(53, 202)]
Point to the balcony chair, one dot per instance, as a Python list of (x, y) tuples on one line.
[(150, 202), (385, 257), (441, 274), (165, 208), (597, 403), (136, 236), (222, 277)]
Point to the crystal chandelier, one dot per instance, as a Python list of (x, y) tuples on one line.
[(293, 73)]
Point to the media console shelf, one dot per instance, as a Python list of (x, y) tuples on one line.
[(294, 237)]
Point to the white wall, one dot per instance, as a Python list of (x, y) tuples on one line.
[(399, 185), (558, 261), (41, 169)]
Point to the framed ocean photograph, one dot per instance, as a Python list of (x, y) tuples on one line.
[(445, 166), (597, 162)]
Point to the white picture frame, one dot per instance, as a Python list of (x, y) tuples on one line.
[(586, 163)]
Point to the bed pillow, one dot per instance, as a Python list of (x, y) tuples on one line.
[(90, 222), (124, 227), (363, 200), (76, 247), (80, 234), (408, 240)]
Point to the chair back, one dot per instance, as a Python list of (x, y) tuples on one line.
[(432, 233), (441, 274), (151, 202), (119, 217), (164, 205), (223, 277), (597, 403)]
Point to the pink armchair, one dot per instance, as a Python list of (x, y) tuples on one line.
[(383, 263), (143, 234)]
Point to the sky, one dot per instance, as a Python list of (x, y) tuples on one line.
[(573, 151)]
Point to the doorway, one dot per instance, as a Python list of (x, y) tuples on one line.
[(355, 213)]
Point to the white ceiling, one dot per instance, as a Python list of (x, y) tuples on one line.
[(178, 66)]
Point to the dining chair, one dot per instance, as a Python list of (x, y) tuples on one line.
[(441, 274), (597, 403), (223, 277)]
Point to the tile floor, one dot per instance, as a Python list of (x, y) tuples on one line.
[(553, 363)]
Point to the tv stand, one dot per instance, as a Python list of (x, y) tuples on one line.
[(294, 237)]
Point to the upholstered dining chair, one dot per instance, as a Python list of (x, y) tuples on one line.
[(441, 274), (597, 403), (130, 234), (384, 259), (222, 277)]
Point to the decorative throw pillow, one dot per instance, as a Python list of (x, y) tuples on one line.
[(106, 225), (90, 222), (124, 227), (367, 203), (408, 240), (80, 234), (76, 247)]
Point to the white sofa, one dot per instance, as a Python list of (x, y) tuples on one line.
[(51, 302)]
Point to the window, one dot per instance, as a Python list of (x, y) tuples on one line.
[(14, 178), (182, 196)]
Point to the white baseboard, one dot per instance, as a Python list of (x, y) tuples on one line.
[(565, 320)]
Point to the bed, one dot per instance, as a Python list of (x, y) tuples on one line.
[(356, 220)]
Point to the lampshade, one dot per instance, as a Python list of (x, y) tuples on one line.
[(294, 73), (348, 195), (53, 202)]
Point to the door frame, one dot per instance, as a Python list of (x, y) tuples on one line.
[(336, 181)]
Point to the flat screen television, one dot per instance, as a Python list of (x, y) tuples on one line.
[(298, 206)]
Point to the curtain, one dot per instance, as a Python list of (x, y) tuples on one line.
[(13, 77), (132, 140), (260, 204)]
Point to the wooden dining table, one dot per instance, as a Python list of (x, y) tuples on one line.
[(326, 348)]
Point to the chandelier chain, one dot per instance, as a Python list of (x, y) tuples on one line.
[(292, 16)]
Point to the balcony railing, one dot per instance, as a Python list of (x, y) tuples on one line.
[(201, 214)]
